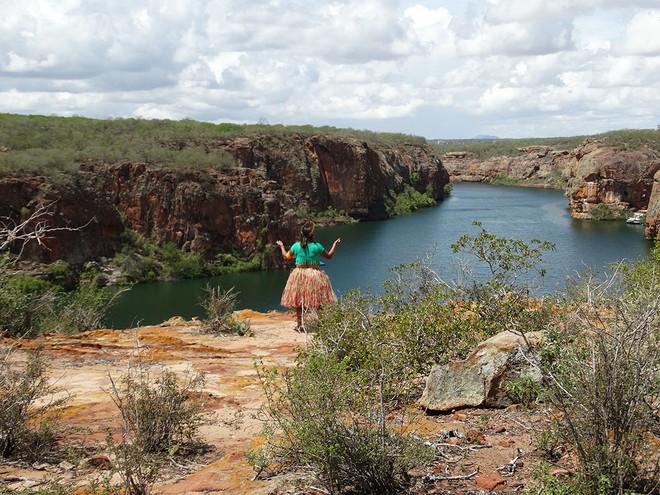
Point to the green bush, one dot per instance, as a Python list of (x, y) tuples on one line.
[(83, 308), (26, 304), (417, 322), (407, 201), (31, 306), (143, 260), (503, 180), (524, 390), (232, 263), (180, 265), (328, 416), (62, 274), (546, 484), (607, 212)]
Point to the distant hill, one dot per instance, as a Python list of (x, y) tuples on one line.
[(485, 136)]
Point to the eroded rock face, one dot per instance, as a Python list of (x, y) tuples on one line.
[(86, 225), (652, 230), (618, 178), (535, 166), (277, 181), (591, 174)]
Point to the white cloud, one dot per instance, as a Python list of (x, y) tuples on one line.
[(515, 39), (642, 35), (440, 69)]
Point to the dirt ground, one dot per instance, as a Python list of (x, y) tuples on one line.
[(480, 450)]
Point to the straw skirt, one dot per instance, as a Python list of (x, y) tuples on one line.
[(307, 287)]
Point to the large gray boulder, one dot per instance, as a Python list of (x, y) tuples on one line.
[(479, 379)]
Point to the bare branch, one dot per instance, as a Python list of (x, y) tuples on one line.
[(34, 228)]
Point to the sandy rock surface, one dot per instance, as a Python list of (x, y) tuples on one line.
[(475, 441)]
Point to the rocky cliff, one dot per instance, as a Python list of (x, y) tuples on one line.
[(534, 166), (592, 174), (652, 230), (619, 178), (275, 182)]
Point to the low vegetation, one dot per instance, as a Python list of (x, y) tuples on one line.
[(601, 362), (345, 410), (29, 407), (407, 201), (160, 414), (52, 146), (219, 306), (488, 148), (607, 212), (30, 306)]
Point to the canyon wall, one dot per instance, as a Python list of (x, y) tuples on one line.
[(274, 184), (652, 230), (591, 175), (533, 166), (619, 178)]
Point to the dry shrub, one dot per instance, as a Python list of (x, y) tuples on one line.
[(159, 413), (602, 367), (219, 306), (29, 406)]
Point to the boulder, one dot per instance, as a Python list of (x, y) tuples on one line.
[(479, 379)]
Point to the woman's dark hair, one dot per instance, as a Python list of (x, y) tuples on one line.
[(307, 234)]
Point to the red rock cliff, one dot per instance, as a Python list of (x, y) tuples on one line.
[(276, 181), (652, 230), (591, 174), (621, 178), (535, 166)]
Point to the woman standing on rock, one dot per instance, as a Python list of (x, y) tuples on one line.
[(308, 286)]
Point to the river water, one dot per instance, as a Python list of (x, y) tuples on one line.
[(369, 250)]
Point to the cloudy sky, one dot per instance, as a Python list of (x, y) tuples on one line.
[(438, 69)]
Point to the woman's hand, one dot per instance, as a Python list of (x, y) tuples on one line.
[(285, 255), (332, 249)]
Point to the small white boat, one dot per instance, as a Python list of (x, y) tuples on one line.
[(637, 218)]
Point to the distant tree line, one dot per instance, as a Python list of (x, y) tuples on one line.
[(491, 147), (50, 145)]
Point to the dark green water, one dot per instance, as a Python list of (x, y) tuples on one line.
[(368, 251)]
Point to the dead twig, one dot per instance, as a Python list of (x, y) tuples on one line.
[(433, 477), (463, 447), (320, 490), (511, 467)]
